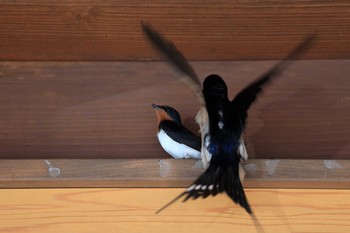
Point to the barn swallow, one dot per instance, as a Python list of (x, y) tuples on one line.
[(222, 122), (175, 139)]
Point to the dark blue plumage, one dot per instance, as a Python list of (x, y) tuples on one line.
[(224, 124)]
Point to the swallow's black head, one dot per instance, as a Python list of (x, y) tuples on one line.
[(171, 112), (214, 86)]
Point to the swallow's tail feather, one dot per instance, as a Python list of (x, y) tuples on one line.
[(222, 176), (218, 177), (235, 191)]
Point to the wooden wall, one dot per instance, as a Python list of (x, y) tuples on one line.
[(94, 30), (74, 82), (77, 79), (103, 110)]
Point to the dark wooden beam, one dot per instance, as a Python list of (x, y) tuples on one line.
[(103, 109), (92, 30)]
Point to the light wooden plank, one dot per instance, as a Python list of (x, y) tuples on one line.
[(133, 210), (110, 30), (168, 173)]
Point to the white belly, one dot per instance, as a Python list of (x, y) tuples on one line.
[(175, 149)]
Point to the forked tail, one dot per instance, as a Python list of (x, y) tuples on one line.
[(219, 177)]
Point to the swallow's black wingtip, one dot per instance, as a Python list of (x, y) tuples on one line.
[(145, 25), (169, 50), (313, 35), (308, 41), (147, 28)]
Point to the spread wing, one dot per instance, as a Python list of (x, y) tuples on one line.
[(168, 49), (243, 100)]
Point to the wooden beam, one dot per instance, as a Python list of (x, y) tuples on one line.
[(167, 173), (226, 30), (133, 211), (94, 110)]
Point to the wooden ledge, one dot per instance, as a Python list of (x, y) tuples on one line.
[(142, 173)]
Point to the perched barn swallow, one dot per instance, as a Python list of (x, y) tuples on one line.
[(175, 139), (222, 122)]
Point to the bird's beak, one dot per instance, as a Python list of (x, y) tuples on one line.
[(156, 106)]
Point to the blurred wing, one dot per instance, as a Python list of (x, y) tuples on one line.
[(243, 100), (168, 49)]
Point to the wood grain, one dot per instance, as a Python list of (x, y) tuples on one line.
[(103, 109), (132, 210), (168, 173), (212, 30)]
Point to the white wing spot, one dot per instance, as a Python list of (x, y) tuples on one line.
[(198, 187), (221, 114), (211, 187), (204, 187), (221, 125), (191, 188), (206, 140)]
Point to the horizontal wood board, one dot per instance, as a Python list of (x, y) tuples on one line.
[(133, 210), (93, 30), (145, 173), (103, 110)]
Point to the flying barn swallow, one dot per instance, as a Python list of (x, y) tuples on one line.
[(175, 139), (222, 122)]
